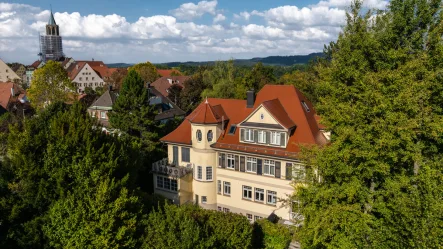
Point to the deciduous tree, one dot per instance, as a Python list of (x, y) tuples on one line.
[(147, 71)]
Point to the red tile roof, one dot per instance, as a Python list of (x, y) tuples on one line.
[(207, 114), (98, 66), (75, 68), (306, 131), (162, 85), (36, 64), (167, 72), (5, 93)]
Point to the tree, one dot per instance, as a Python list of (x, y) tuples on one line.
[(192, 91), (174, 94), (68, 184), (147, 71), (380, 176), (50, 84), (220, 80), (258, 76), (117, 77)]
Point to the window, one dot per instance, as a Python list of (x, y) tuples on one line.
[(262, 137), (231, 161), (86, 78), (93, 114), (199, 172), (272, 197), (296, 209), (210, 135), (249, 216), (249, 135), (251, 164), (247, 192), (259, 194), (305, 106), (93, 79), (227, 188), (219, 187), (199, 135), (232, 129), (80, 78), (204, 199), (167, 184), (226, 210), (275, 138), (159, 182), (269, 167), (256, 217), (262, 116), (103, 115), (84, 84), (219, 208), (298, 171), (208, 173), (186, 157)]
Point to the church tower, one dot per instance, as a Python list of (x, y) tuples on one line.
[(51, 47)]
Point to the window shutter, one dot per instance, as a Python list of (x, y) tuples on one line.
[(259, 166), (236, 164), (268, 137), (277, 169), (282, 139), (256, 136), (175, 155), (242, 134), (288, 171), (242, 164), (223, 160)]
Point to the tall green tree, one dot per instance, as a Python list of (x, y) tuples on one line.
[(147, 71), (381, 174), (192, 91), (50, 84), (220, 80)]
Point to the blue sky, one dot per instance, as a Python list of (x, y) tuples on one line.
[(160, 31)]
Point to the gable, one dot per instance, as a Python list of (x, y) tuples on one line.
[(87, 69), (262, 116)]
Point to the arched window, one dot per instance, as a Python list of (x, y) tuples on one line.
[(210, 136), (199, 135)]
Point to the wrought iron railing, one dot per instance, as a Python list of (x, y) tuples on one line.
[(164, 168)]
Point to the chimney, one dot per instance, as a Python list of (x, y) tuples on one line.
[(76, 66), (12, 92), (250, 98), (170, 81)]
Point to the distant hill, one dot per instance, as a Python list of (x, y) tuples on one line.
[(270, 60)]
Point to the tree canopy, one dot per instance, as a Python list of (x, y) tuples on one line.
[(147, 71), (50, 84), (380, 95)]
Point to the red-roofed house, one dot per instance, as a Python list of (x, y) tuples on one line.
[(91, 74), (10, 94), (168, 72), (243, 154), (164, 83)]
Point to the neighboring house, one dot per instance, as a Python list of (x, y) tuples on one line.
[(164, 83), (100, 108), (240, 155), (166, 109), (11, 95), (38, 64), (6, 73), (67, 62), (168, 72), (20, 70), (29, 75), (88, 74)]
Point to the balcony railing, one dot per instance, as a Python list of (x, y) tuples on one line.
[(164, 168)]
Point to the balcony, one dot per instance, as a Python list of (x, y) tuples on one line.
[(164, 168)]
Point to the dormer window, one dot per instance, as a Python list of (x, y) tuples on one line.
[(262, 137), (305, 106), (199, 135), (249, 135), (275, 138), (210, 136)]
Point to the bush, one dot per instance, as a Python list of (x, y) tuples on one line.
[(269, 235)]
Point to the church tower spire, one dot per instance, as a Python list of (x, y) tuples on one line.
[(52, 27)]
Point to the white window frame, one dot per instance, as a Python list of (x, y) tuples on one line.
[(260, 193), (249, 135), (227, 186), (256, 217), (261, 137), (249, 216), (298, 171), (251, 164), (204, 199), (167, 184), (247, 192), (199, 173), (103, 115), (271, 197), (93, 114), (209, 173), (231, 161), (269, 167), (275, 137)]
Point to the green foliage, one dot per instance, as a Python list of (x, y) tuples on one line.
[(147, 71), (220, 81), (192, 91), (50, 84), (270, 235), (189, 226), (380, 96)]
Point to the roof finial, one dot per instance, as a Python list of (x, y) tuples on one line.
[(206, 102)]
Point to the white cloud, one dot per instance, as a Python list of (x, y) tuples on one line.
[(219, 18), (243, 15), (189, 11), (377, 4), (258, 31)]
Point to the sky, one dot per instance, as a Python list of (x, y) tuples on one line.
[(133, 31)]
